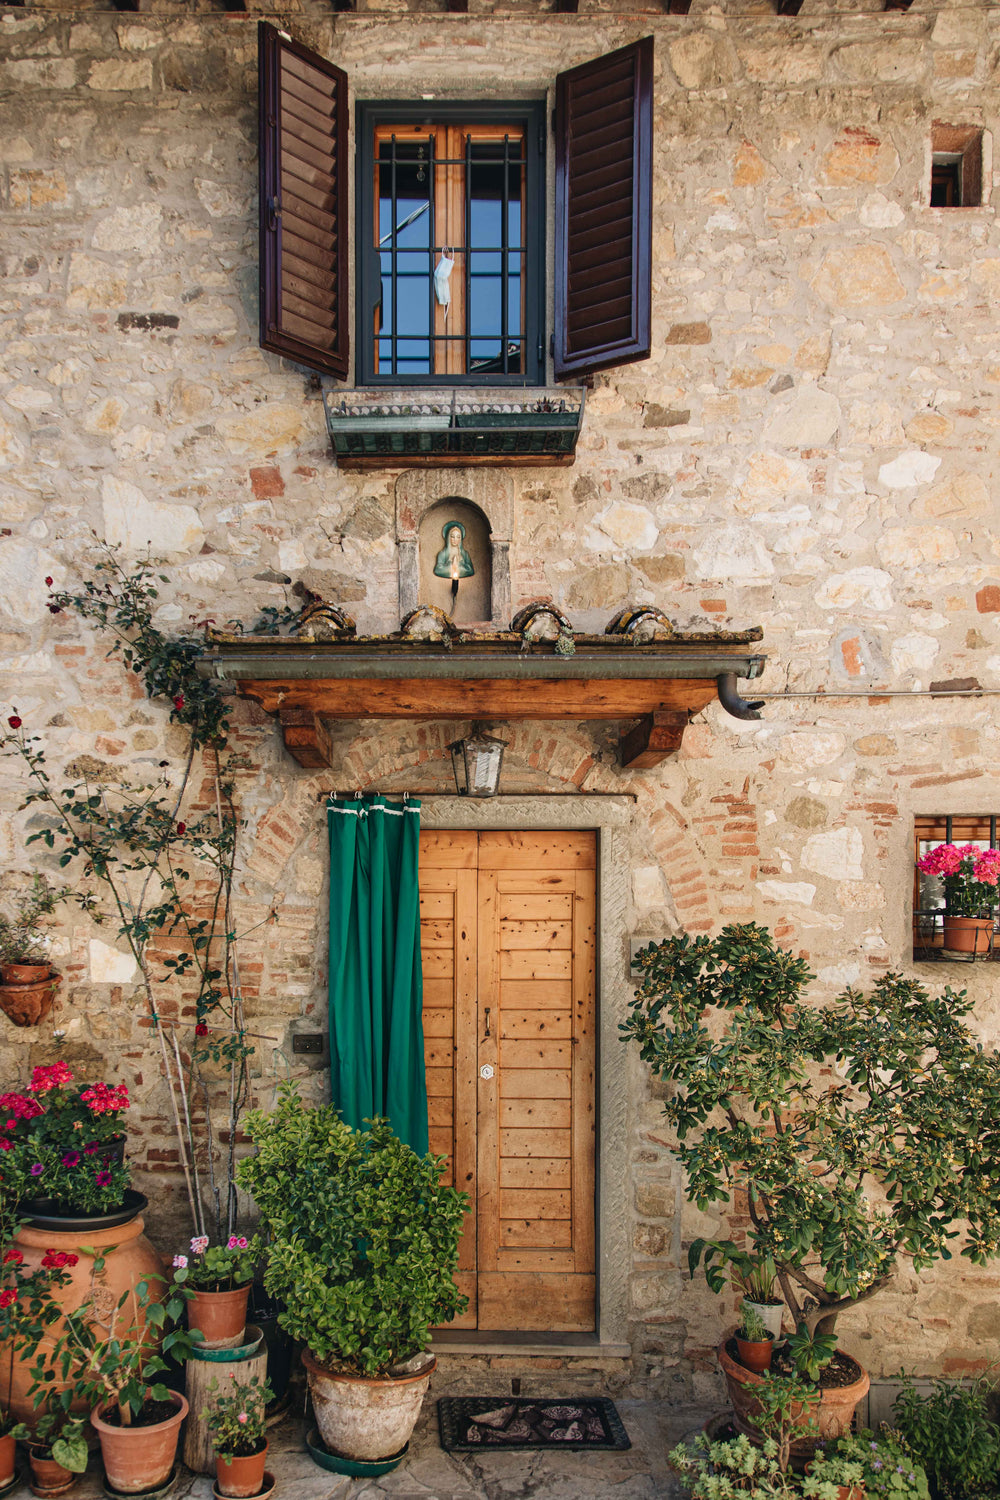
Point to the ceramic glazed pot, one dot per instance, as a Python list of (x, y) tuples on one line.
[(833, 1413), (129, 1258), (139, 1458), (755, 1355), (241, 1477), (221, 1316), (968, 934), (47, 1476), (365, 1419)]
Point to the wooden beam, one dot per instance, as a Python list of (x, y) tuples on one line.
[(650, 741), (478, 698), (306, 738)]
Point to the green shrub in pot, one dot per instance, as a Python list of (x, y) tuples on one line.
[(364, 1237), (363, 1250)]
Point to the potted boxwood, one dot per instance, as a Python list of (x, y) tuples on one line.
[(813, 1110), (363, 1249), (237, 1428), (105, 1359)]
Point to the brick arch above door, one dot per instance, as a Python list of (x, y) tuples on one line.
[(612, 818)]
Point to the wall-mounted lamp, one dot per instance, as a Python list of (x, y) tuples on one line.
[(476, 760)]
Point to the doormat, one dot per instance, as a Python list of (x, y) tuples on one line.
[(469, 1423)]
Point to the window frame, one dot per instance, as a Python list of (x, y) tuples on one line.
[(529, 114)]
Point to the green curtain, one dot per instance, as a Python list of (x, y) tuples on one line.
[(376, 986)]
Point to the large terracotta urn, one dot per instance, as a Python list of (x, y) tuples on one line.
[(128, 1259), (833, 1412)]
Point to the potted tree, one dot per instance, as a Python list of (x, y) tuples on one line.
[(910, 1115), (105, 1360), (237, 1428), (219, 1278), (28, 982), (363, 1247)]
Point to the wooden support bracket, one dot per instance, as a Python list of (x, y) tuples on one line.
[(306, 737), (650, 741)]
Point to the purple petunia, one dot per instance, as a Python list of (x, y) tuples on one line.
[(37, 1169)]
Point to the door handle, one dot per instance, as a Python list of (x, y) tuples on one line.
[(488, 1032)]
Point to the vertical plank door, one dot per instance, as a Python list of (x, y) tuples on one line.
[(532, 1009)]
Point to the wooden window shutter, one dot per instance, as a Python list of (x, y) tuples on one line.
[(604, 194), (303, 205)]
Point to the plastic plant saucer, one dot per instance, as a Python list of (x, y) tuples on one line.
[(356, 1468), (159, 1492), (269, 1483), (252, 1340)]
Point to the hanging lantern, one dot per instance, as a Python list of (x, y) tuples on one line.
[(476, 762)]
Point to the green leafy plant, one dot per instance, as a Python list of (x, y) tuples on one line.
[(160, 859), (811, 1352), (64, 1141), (221, 1268), (27, 1308), (889, 1470), (828, 1473), (727, 1264), (785, 1411), (24, 938), (951, 1433), (237, 1419), (845, 1176), (731, 1468), (57, 1434), (752, 1327), (363, 1236), (108, 1356)]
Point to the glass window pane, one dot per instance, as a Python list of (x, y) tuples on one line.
[(484, 305)]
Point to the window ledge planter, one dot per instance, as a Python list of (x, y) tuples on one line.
[(462, 426)]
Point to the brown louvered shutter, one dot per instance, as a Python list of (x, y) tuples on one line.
[(604, 192), (303, 205)]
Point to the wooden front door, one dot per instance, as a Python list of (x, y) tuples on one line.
[(508, 935)]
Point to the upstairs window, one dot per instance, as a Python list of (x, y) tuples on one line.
[(477, 193), (451, 216)]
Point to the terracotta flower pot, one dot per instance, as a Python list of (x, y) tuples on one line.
[(8, 1456), (755, 1354), (365, 1419), (968, 934), (26, 973), (241, 1477), (139, 1458), (221, 1316), (27, 1004), (833, 1412), (47, 1476), (129, 1258)]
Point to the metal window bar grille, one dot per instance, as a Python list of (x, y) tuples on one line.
[(511, 355), (928, 921)]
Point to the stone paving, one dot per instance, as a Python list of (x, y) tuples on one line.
[(428, 1473)]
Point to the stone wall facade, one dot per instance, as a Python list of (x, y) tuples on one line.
[(811, 447)]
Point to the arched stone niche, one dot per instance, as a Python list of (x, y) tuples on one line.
[(481, 500), (451, 530)]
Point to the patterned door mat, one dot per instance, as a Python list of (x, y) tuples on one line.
[(471, 1423)]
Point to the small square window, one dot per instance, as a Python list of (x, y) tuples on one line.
[(956, 914), (956, 166)]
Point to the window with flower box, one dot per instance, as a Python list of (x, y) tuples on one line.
[(956, 887)]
